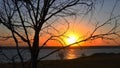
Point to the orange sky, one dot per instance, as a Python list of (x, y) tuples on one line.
[(80, 29)]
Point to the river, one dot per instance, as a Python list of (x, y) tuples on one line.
[(6, 54)]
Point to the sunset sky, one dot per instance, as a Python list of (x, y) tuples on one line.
[(80, 27)]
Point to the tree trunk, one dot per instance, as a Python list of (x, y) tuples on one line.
[(35, 50)]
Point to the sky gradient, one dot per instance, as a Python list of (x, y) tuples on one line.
[(80, 26)]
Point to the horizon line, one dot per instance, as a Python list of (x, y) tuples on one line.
[(71, 47)]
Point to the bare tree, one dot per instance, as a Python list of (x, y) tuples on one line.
[(23, 17)]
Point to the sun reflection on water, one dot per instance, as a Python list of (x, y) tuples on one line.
[(70, 54)]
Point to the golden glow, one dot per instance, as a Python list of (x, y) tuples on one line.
[(71, 39)]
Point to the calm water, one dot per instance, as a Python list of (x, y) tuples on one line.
[(66, 53)]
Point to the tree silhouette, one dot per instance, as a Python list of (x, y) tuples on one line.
[(23, 17)]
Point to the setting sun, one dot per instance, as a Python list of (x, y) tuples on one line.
[(71, 38)]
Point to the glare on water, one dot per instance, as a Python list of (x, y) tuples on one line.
[(71, 54)]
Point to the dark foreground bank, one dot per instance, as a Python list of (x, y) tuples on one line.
[(101, 60)]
